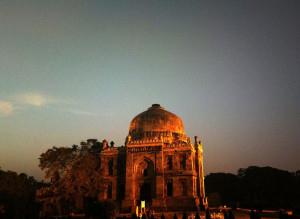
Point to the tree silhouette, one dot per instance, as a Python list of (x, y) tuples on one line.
[(17, 195), (222, 187), (75, 176), (256, 187)]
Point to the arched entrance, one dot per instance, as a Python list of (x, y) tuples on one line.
[(145, 192), (144, 180)]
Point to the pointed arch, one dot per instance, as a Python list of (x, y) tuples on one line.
[(145, 162)]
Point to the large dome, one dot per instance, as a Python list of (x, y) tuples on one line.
[(156, 119)]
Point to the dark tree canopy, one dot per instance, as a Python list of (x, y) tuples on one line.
[(267, 187), (17, 195), (256, 187), (222, 184)]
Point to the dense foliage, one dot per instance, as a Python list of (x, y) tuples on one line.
[(254, 187), (17, 195), (75, 175)]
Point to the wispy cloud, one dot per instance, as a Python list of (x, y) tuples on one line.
[(35, 99), (19, 101), (79, 112), (6, 107), (40, 100), (75, 111)]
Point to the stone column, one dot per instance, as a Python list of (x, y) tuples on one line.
[(159, 173), (128, 203)]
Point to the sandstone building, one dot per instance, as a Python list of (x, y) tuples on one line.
[(158, 164)]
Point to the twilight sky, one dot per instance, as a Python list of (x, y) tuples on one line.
[(73, 70)]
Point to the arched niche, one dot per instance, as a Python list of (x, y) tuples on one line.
[(144, 167)]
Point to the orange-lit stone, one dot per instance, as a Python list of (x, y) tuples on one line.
[(156, 119), (158, 164)]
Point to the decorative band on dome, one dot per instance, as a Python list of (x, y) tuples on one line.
[(156, 106)]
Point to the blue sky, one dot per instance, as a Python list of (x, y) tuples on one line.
[(73, 70)]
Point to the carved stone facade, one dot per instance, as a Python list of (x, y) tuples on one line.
[(158, 164)]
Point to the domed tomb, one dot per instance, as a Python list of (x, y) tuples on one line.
[(158, 164), (156, 120)]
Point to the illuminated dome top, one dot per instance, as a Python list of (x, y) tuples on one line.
[(156, 119)]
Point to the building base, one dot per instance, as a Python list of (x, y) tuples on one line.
[(169, 204)]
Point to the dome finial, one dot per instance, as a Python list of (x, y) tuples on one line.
[(156, 106)]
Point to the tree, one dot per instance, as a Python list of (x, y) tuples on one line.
[(225, 184), (214, 199), (256, 187), (267, 187), (17, 195), (56, 161), (75, 176)]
